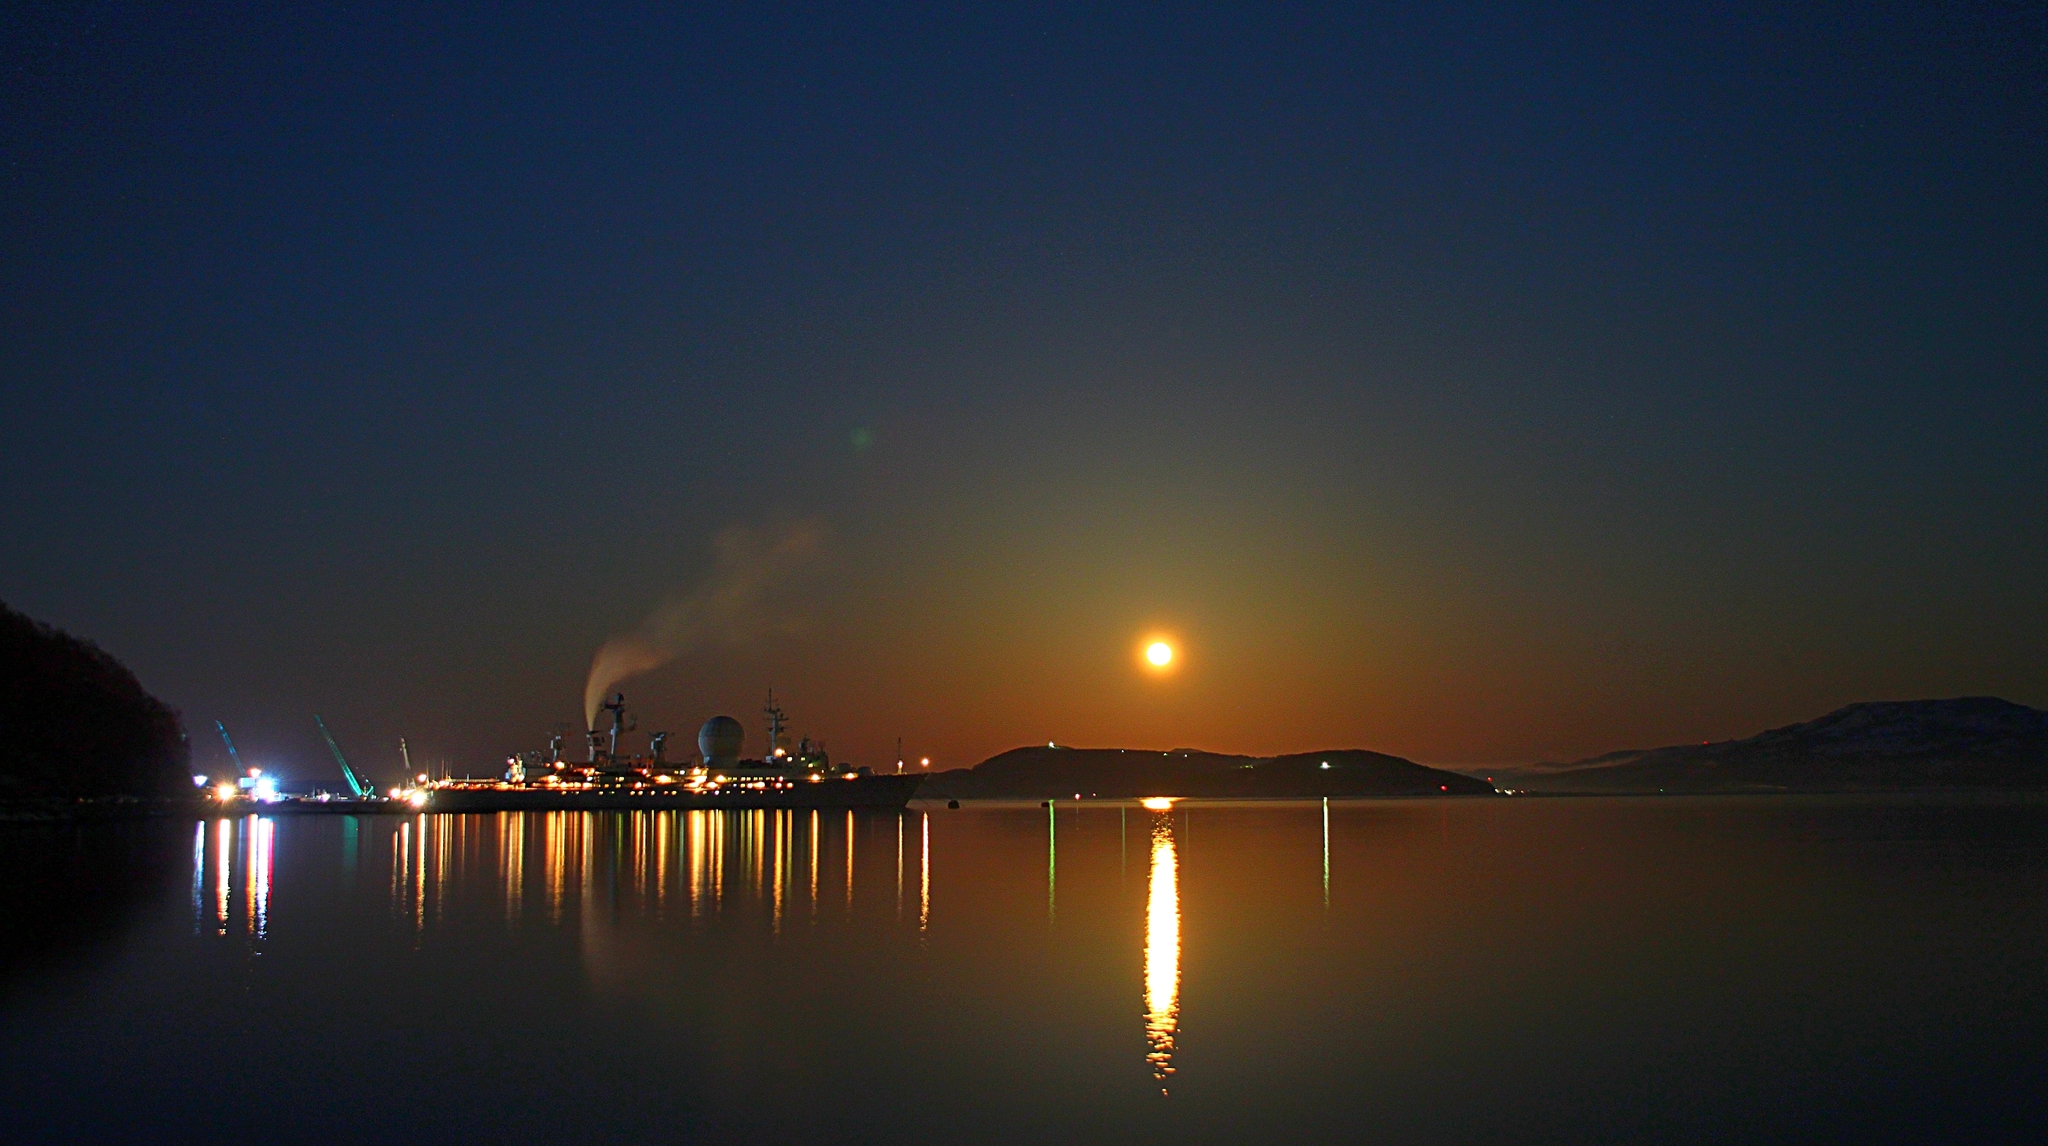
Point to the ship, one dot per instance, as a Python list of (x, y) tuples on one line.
[(717, 778)]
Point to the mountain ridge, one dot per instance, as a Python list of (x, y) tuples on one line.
[(1958, 742)]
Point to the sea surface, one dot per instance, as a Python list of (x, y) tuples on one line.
[(1790, 969)]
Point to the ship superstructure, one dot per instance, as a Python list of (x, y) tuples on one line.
[(611, 777)]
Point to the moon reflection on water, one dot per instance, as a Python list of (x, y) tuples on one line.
[(1162, 952)]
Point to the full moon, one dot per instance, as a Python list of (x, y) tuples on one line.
[(1159, 653)]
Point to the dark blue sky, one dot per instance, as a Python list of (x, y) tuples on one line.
[(1479, 384)]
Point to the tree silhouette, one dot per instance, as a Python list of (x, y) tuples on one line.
[(74, 722)]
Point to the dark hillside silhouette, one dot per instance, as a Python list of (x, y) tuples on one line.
[(75, 723), (1046, 772)]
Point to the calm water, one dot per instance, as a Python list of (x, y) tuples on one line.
[(1457, 971)]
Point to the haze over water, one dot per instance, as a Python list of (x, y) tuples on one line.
[(1849, 969)]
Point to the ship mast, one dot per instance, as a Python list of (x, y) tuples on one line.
[(617, 707), (777, 720)]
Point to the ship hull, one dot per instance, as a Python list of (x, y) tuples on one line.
[(872, 792)]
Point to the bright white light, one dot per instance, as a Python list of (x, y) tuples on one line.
[(266, 790), (1159, 653), (1326, 765), (1157, 803), (199, 781)]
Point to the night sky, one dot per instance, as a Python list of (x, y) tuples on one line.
[(1479, 384)]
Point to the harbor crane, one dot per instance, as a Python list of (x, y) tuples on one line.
[(356, 786)]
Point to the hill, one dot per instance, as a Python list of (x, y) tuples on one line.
[(1966, 742), (1041, 773), (75, 723)]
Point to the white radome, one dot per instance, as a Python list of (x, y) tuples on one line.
[(720, 741)]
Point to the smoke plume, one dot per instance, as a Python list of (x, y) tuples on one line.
[(730, 608)]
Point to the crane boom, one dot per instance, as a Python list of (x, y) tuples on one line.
[(229, 741), (355, 782)]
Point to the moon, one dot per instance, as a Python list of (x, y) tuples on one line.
[(1159, 653)]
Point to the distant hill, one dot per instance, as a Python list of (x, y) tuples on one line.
[(1967, 742), (1042, 773), (74, 722)]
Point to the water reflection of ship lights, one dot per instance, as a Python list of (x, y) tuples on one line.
[(244, 845), (547, 865)]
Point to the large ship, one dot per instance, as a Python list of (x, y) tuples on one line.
[(611, 780)]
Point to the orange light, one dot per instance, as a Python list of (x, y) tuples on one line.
[(1157, 803)]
